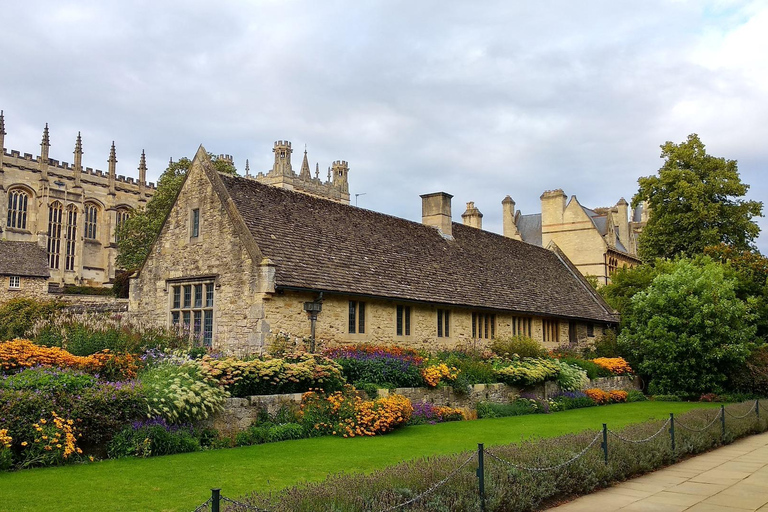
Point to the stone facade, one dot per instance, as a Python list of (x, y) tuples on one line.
[(240, 413), (14, 287), (282, 175), (598, 241), (70, 210)]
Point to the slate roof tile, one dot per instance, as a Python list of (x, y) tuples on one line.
[(23, 259)]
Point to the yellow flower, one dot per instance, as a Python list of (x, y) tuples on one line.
[(90, 457), (23, 443)]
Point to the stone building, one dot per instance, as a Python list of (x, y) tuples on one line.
[(238, 261), (70, 211), (282, 175), (597, 241), (23, 270)]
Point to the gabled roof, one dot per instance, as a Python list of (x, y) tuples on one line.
[(326, 246), (23, 259), (529, 227)]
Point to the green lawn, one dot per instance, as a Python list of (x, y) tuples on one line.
[(181, 482)]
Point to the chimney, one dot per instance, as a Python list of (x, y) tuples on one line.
[(623, 217), (508, 219), (472, 217), (436, 212), (552, 207)]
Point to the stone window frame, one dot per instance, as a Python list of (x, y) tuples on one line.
[(19, 201), (403, 320), (590, 330), (550, 330), (483, 325), (522, 326), (70, 236), (14, 282), (443, 323), (122, 214), (356, 317), (194, 223), (55, 225), (185, 312), (90, 220)]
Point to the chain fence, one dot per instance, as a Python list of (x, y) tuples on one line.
[(546, 468), (214, 502)]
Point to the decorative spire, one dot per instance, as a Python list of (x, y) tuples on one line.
[(170, 161), (329, 174), (112, 163), (317, 170), (2, 124), (78, 159), (247, 168), (142, 169), (305, 174), (46, 140)]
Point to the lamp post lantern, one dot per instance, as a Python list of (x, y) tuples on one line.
[(313, 309)]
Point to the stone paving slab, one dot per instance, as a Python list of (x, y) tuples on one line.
[(733, 478)]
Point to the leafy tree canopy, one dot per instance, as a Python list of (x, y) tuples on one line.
[(137, 234), (688, 330), (695, 201)]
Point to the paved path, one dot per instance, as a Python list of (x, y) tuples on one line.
[(733, 478)]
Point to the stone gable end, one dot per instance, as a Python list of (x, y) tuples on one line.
[(216, 255)]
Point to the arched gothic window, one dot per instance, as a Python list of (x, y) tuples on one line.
[(54, 234), (18, 202), (121, 216), (91, 217), (70, 237)]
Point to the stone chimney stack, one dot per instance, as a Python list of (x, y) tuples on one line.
[(552, 207), (622, 208), (436, 212), (472, 217), (508, 219)]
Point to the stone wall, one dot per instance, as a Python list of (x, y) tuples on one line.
[(240, 413), (29, 287)]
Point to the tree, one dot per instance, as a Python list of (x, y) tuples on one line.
[(688, 331), (138, 233), (694, 203)]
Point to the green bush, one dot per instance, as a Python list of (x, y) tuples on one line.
[(153, 438), (18, 316), (666, 398), (636, 396), (571, 377), (593, 370), (527, 372), (518, 407), (270, 433), (752, 377), (606, 345), (523, 346), (47, 379), (474, 367), (182, 393), (570, 400)]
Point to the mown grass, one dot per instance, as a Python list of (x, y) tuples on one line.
[(181, 482)]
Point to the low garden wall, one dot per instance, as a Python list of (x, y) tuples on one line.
[(240, 413)]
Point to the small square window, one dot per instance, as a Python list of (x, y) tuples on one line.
[(14, 282)]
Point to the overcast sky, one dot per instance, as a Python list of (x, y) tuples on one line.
[(478, 99)]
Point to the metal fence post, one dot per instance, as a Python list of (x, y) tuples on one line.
[(481, 475), (722, 423), (605, 442), (672, 431), (215, 500)]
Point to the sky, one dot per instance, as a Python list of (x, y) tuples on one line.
[(477, 99)]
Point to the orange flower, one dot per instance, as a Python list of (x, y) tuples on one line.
[(615, 365)]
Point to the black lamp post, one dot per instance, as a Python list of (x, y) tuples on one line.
[(312, 309)]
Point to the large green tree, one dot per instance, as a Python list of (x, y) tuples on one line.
[(688, 331), (696, 200), (137, 234)]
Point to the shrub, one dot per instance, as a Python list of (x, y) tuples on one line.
[(528, 372), (46, 379), (752, 377), (571, 377), (568, 400), (606, 345), (54, 443), (520, 406), (599, 396), (615, 365), (391, 367), (593, 370), (182, 393), (152, 438), (666, 398), (17, 316), (293, 373), (426, 412), (344, 413), (636, 396), (618, 396), (6, 455), (18, 354), (434, 374), (522, 346)]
